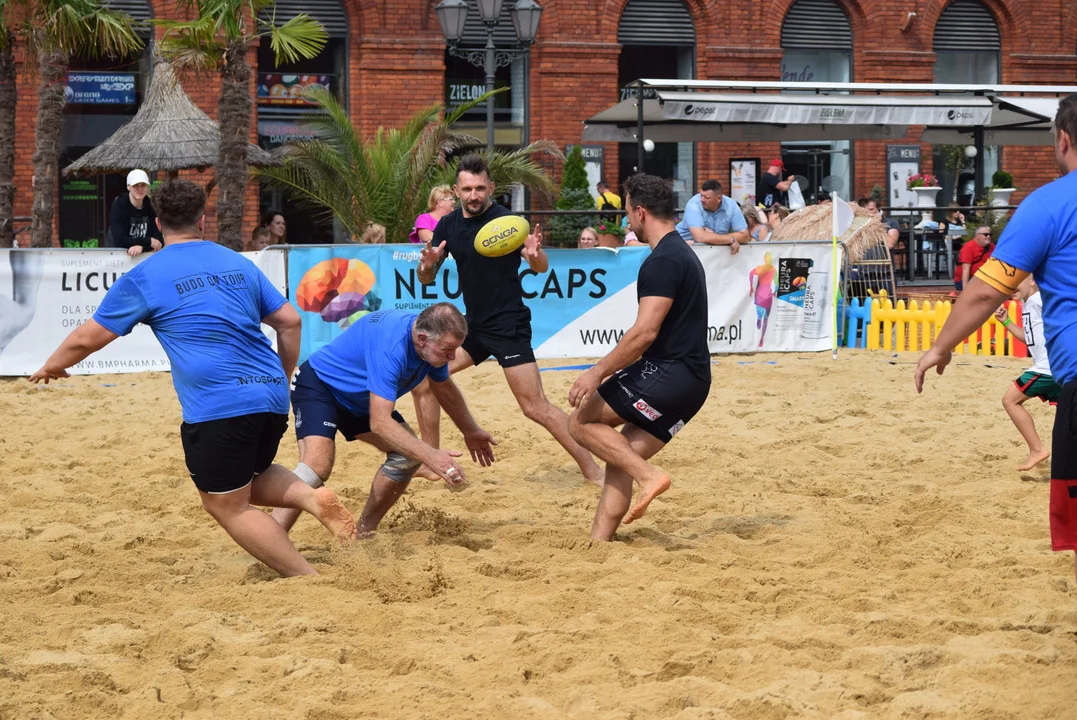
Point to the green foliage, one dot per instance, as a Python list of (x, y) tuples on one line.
[(200, 44), (77, 27), (387, 179), (575, 195), (877, 193), (1002, 179), (574, 176)]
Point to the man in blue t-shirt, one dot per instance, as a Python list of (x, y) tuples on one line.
[(351, 386), (1041, 240), (206, 303), (711, 218)]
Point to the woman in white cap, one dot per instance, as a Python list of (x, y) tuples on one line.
[(132, 222)]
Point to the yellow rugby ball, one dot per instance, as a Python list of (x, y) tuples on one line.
[(502, 235)]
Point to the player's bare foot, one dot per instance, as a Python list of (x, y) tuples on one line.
[(334, 515), (649, 490), (426, 473), (1034, 458)]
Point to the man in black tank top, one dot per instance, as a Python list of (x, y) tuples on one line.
[(499, 324), (661, 368)]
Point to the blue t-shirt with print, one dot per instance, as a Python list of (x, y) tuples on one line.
[(1041, 238), (728, 218), (205, 304), (375, 355)]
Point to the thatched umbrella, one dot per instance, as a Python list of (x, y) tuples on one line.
[(866, 233), (169, 133)]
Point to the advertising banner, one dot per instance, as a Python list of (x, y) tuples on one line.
[(769, 297), (277, 89), (45, 294), (95, 88)]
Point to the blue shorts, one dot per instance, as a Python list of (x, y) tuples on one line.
[(317, 411)]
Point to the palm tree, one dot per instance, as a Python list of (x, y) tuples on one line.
[(7, 125), (56, 31), (218, 39), (387, 178)]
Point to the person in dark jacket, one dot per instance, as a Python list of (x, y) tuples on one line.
[(132, 223)]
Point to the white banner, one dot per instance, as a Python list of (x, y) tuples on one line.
[(769, 297), (45, 294)]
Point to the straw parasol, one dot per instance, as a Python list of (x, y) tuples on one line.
[(169, 133), (815, 222)]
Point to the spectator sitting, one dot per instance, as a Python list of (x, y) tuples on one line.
[(259, 240), (775, 215), (588, 238), (893, 228), (132, 223), (974, 253), (954, 224), (278, 229), (440, 203), (757, 226), (373, 235), (711, 218)]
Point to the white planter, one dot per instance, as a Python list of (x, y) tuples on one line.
[(1000, 196), (925, 197)]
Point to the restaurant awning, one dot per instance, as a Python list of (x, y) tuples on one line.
[(689, 111)]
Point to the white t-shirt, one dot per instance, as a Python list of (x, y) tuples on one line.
[(1032, 321)]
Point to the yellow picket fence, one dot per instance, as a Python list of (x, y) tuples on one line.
[(914, 328)]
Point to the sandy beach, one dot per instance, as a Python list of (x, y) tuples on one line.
[(834, 546)]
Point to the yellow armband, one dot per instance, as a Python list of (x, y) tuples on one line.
[(1002, 277)]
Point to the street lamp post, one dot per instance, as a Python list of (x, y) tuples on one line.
[(452, 15)]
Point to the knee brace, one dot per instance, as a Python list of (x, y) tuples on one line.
[(399, 468), (307, 475)]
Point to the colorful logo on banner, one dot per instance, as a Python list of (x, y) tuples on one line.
[(338, 285), (276, 89), (91, 88)]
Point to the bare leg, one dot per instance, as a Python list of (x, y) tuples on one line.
[(1014, 403), (383, 492), (526, 385), (279, 487), (428, 413), (626, 454), (430, 422), (256, 532), (319, 453)]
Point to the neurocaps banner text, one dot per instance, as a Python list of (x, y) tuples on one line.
[(45, 294), (769, 296)]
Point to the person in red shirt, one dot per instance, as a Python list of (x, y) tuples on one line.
[(974, 253)]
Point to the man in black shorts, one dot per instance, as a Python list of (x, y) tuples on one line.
[(661, 367), (499, 324), (206, 305)]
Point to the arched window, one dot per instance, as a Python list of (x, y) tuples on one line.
[(658, 40), (968, 51), (282, 109), (817, 46), (103, 94), (967, 45)]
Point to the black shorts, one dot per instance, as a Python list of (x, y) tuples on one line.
[(1064, 471), (224, 455), (659, 396), (510, 346), (317, 411)]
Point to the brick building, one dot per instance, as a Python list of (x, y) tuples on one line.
[(387, 60)]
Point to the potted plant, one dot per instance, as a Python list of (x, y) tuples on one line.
[(610, 234), (926, 187), (1001, 188)]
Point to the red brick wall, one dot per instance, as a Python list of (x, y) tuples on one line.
[(396, 66)]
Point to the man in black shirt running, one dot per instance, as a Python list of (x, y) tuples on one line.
[(499, 324), (661, 367)]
